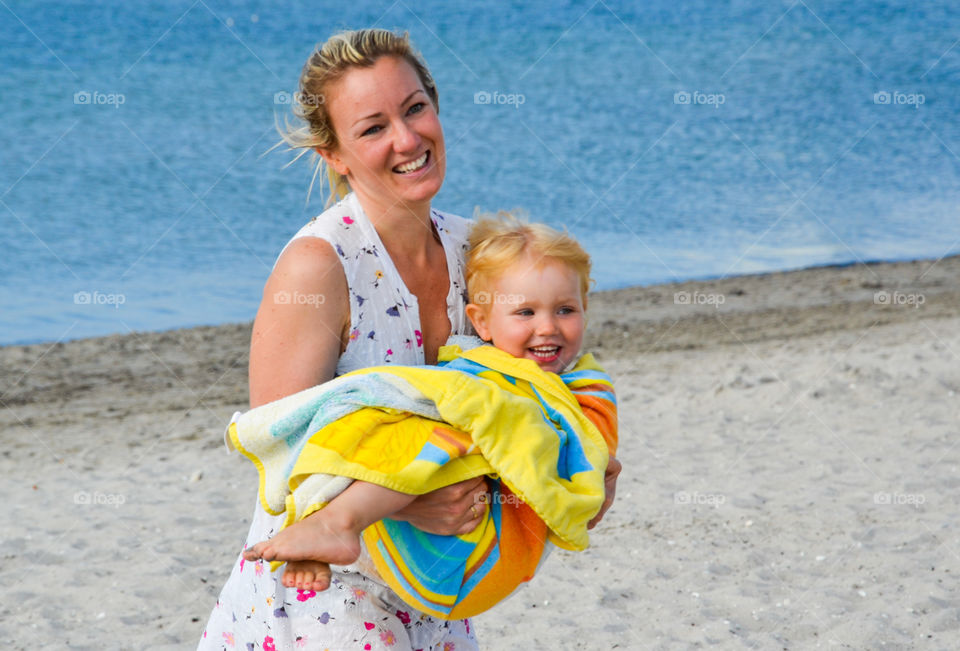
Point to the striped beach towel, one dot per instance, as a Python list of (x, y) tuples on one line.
[(544, 440)]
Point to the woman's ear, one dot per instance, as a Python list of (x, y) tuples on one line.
[(332, 158), (478, 318)]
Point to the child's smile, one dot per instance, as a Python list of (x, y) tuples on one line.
[(534, 311)]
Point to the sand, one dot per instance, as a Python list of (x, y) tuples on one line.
[(790, 458)]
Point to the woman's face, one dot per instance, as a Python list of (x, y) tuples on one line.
[(390, 142)]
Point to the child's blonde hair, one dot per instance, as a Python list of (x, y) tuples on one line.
[(498, 241)]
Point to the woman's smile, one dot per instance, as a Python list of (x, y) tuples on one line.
[(413, 166)]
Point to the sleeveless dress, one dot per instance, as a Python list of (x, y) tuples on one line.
[(255, 610)]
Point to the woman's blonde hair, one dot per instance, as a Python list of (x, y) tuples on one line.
[(328, 63), (500, 240)]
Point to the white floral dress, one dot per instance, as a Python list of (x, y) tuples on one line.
[(255, 611)]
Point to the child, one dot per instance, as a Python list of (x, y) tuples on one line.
[(528, 293)]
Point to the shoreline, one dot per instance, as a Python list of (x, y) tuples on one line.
[(789, 473), (740, 309), (875, 276)]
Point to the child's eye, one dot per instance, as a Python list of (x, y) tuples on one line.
[(566, 310), (525, 312)]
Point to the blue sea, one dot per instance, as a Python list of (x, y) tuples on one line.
[(676, 139)]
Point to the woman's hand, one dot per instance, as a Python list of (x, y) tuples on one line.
[(610, 486), (449, 511)]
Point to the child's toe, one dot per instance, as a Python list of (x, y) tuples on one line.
[(266, 552)]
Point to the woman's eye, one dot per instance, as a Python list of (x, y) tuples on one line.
[(372, 130), (416, 108)]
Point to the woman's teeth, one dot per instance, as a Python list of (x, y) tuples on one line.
[(412, 166)]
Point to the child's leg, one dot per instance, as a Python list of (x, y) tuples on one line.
[(330, 535)]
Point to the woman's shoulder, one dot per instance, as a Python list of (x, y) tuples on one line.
[(330, 223), (307, 254), (327, 233)]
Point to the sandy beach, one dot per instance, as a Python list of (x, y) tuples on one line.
[(790, 458)]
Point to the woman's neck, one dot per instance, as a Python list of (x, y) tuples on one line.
[(406, 230)]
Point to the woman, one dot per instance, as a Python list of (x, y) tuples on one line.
[(375, 279)]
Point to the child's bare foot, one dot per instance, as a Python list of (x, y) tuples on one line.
[(307, 575), (318, 537)]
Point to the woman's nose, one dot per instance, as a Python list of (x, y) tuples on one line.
[(405, 138)]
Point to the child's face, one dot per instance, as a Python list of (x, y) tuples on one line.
[(534, 311)]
